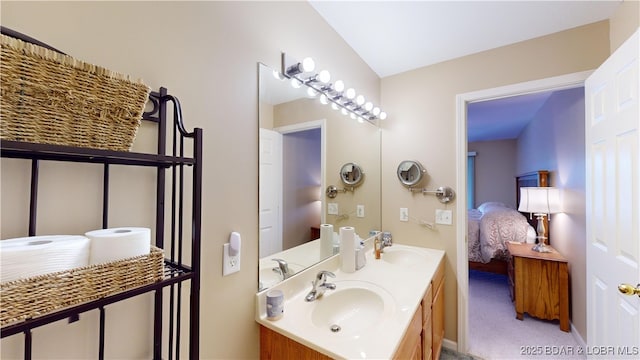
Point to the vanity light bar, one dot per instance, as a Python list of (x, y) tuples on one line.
[(351, 104)]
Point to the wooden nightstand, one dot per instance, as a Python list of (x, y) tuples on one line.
[(540, 283)]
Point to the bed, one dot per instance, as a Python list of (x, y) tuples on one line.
[(493, 224)]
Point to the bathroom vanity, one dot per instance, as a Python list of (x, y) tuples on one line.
[(393, 308)]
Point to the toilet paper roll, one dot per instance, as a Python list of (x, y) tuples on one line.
[(347, 249), (38, 255), (118, 243), (326, 240)]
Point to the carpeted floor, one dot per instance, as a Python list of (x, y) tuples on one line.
[(495, 333)]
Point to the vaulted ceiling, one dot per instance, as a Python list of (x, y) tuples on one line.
[(397, 36)]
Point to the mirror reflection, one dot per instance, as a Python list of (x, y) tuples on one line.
[(303, 146), (351, 174)]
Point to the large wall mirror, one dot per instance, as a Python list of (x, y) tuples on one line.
[(303, 147)]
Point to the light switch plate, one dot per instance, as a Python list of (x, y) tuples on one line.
[(332, 208), (444, 217), (230, 264), (404, 214), (360, 211)]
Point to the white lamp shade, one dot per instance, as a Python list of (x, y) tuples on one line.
[(539, 200)]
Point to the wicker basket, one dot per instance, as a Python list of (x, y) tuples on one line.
[(51, 98), (36, 296)]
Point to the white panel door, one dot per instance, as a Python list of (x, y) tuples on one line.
[(613, 201), (270, 199)]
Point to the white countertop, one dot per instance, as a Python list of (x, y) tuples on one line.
[(406, 285)]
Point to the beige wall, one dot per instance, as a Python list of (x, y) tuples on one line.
[(495, 171), (422, 126), (206, 54), (624, 22)]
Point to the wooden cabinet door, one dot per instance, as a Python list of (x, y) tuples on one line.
[(274, 346), (427, 337), (411, 345), (437, 312)]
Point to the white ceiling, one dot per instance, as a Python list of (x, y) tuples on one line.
[(397, 36)]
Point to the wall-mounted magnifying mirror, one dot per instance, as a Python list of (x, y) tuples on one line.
[(410, 173), (351, 174)]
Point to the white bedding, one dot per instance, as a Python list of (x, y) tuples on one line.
[(490, 227), (473, 234)]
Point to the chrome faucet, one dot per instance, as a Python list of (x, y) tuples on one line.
[(385, 241), (283, 269), (319, 285)]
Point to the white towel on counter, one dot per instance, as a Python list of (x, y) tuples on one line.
[(39, 255)]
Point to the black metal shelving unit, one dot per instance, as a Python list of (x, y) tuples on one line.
[(178, 236)]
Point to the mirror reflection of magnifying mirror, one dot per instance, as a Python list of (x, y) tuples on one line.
[(351, 174)]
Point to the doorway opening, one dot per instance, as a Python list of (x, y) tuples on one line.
[(302, 180), (463, 107)]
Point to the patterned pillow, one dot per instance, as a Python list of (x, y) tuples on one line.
[(486, 206)]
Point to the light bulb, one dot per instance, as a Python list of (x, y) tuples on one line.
[(323, 99), (308, 64), (353, 116), (344, 111), (360, 100), (324, 76), (338, 86), (334, 106), (351, 93), (368, 106), (295, 83), (276, 74), (383, 115), (311, 92), (376, 111), (360, 119)]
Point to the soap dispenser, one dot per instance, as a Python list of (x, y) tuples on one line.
[(361, 260)]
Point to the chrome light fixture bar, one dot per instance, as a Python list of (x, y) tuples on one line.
[(318, 83)]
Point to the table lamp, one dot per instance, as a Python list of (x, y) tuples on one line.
[(541, 202)]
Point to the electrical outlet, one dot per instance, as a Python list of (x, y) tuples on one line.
[(404, 214), (230, 264), (332, 208), (444, 217), (360, 211)]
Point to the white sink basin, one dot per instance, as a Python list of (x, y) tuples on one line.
[(352, 308), (403, 256)]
